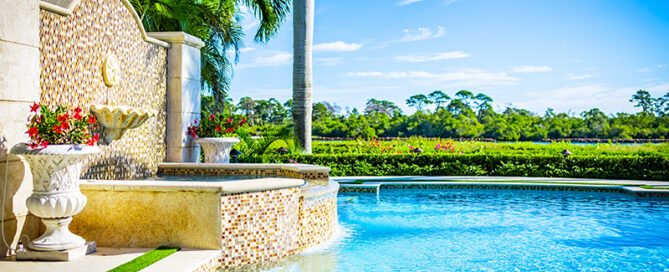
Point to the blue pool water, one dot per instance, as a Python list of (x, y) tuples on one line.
[(493, 230)]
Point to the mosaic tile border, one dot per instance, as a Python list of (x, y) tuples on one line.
[(241, 172), (361, 189)]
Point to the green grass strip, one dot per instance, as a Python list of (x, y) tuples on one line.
[(362, 181), (146, 259), (654, 187)]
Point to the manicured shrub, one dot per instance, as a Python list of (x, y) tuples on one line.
[(648, 167)]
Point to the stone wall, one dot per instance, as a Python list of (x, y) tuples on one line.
[(19, 87), (72, 52)]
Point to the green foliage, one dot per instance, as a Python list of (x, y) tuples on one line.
[(60, 126), (146, 259), (218, 24), (472, 116), (216, 125), (607, 167)]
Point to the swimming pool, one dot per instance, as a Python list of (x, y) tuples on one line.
[(493, 230)]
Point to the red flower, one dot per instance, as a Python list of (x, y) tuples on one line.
[(45, 143), (212, 117), (91, 119), (65, 125), (77, 115), (230, 120), (32, 131), (77, 110), (34, 107), (219, 128), (91, 141), (230, 130), (57, 129), (33, 145), (63, 117)]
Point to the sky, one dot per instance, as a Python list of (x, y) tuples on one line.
[(569, 55)]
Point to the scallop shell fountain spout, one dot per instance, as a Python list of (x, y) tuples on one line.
[(117, 119)]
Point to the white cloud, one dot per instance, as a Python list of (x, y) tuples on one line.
[(661, 65), (338, 46), (578, 77), (530, 69), (422, 33), (269, 58), (328, 61), (448, 2), (433, 57), (407, 2), (643, 70), (246, 49), (586, 97), (467, 77)]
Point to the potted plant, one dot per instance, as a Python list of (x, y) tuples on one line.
[(216, 134), (60, 140)]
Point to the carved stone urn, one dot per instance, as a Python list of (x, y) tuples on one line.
[(56, 196), (217, 150)]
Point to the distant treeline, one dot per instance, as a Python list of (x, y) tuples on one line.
[(464, 116)]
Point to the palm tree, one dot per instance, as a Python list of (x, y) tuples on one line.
[(217, 23), (303, 33)]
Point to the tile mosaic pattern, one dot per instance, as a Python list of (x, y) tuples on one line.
[(265, 226), (318, 220), (259, 226), (241, 172), (211, 265), (72, 51), (360, 189)]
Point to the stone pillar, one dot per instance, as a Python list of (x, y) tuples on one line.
[(183, 93), (19, 88)]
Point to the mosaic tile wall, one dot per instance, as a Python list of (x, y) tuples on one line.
[(72, 52), (211, 265), (318, 220), (265, 226), (259, 226)]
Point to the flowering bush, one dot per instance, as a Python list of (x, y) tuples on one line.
[(60, 126), (215, 125)]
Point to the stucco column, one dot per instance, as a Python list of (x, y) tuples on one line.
[(19, 87), (183, 93)]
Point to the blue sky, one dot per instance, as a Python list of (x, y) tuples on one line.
[(568, 55)]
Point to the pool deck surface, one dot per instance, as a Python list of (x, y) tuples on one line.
[(108, 258)]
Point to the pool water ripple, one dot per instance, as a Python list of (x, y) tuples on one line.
[(494, 230)]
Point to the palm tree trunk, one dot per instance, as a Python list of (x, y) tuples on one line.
[(303, 33)]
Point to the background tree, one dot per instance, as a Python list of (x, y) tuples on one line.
[(643, 100), (465, 96), (439, 98), (382, 106), (247, 106), (418, 101)]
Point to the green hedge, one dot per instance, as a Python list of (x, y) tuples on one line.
[(604, 167)]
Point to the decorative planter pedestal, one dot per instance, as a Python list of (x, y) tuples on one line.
[(217, 150), (55, 199)]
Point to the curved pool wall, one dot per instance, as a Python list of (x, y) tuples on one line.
[(251, 221)]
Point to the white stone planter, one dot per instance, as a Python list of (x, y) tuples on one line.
[(56, 196), (217, 150)]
